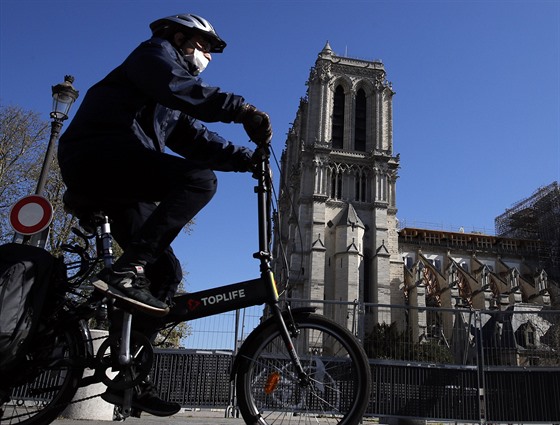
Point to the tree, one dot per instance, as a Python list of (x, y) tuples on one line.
[(22, 143), (172, 338)]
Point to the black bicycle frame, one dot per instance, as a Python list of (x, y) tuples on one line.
[(249, 293), (218, 300)]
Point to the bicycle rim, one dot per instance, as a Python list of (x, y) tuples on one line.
[(44, 397), (338, 387)]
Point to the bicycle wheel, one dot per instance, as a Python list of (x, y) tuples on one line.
[(55, 371), (338, 384)]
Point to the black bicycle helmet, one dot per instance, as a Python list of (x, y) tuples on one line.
[(189, 23)]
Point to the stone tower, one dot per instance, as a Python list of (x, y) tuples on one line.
[(337, 208)]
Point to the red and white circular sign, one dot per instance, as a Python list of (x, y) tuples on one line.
[(31, 214)]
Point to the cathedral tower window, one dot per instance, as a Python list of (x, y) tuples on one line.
[(338, 118), (336, 184), (360, 122), (360, 194)]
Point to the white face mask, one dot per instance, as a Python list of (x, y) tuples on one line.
[(197, 60)]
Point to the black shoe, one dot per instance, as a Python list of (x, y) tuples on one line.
[(130, 285), (147, 400)]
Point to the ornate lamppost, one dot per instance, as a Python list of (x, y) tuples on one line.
[(64, 95), (30, 217)]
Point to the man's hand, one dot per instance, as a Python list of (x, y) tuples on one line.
[(256, 123)]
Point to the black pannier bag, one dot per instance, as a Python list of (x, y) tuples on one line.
[(28, 276)]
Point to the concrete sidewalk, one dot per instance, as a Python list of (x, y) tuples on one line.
[(198, 417)]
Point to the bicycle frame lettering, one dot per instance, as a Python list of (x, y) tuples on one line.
[(219, 300)]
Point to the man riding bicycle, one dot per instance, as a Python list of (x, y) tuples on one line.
[(112, 156)]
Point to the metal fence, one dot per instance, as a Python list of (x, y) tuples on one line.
[(204, 377), (432, 363)]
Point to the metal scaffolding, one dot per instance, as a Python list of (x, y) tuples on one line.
[(536, 217)]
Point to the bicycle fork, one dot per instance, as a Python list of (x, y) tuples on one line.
[(288, 329)]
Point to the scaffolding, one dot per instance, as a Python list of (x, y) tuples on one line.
[(536, 217)]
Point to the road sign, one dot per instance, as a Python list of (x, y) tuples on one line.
[(31, 214)]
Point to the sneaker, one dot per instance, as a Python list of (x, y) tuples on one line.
[(131, 286), (146, 399)]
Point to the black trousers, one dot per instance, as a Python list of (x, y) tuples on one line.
[(150, 196)]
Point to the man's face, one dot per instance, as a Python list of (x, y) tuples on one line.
[(198, 42)]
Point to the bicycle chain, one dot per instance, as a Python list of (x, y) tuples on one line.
[(65, 405), (58, 405)]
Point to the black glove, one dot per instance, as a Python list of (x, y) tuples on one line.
[(256, 123)]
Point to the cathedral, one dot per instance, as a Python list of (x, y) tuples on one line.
[(337, 213), (337, 238)]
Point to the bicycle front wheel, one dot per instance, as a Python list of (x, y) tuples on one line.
[(337, 385)]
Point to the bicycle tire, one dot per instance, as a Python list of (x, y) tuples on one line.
[(49, 390), (269, 392)]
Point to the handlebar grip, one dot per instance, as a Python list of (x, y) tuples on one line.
[(257, 121)]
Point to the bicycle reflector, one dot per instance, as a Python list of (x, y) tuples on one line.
[(271, 383)]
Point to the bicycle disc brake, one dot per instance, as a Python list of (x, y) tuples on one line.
[(130, 375)]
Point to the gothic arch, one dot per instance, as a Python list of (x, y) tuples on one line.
[(362, 184), (366, 85), (360, 118), (341, 111), (341, 80)]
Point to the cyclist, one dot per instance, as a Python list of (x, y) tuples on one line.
[(112, 155)]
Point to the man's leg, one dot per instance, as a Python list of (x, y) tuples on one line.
[(182, 191), (165, 275), (182, 201), (181, 188)]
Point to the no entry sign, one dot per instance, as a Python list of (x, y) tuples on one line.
[(31, 214)]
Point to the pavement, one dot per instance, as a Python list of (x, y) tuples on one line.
[(211, 417), (187, 417)]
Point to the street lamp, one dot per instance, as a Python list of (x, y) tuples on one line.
[(64, 95)]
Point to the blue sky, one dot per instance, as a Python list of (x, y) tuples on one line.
[(476, 110)]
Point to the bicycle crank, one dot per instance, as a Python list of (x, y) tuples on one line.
[(131, 374)]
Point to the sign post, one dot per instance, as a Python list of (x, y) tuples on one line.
[(31, 216)]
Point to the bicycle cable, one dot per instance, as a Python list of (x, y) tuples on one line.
[(278, 221)]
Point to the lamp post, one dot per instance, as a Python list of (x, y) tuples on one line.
[(64, 95), (31, 215)]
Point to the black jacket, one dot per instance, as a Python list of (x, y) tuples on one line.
[(152, 100)]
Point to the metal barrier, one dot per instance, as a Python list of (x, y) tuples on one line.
[(522, 395), (204, 377), (430, 363), (424, 391)]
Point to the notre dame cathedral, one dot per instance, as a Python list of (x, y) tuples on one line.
[(337, 208), (337, 229)]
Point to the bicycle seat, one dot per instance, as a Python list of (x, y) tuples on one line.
[(89, 212)]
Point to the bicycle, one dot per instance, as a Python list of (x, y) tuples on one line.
[(295, 367)]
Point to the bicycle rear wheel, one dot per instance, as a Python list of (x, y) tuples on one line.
[(56, 370), (337, 389)]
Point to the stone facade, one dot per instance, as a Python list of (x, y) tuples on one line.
[(471, 271), (337, 212)]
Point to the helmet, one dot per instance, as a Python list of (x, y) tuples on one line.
[(189, 23)]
